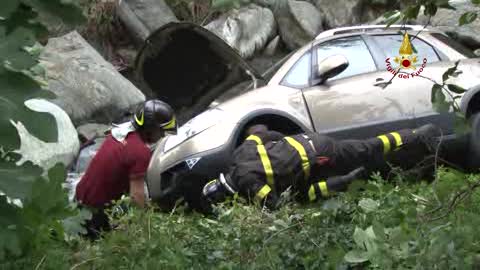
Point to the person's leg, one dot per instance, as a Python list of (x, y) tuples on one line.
[(98, 223), (372, 153)]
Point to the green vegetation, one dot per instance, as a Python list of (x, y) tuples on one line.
[(388, 225), (41, 207)]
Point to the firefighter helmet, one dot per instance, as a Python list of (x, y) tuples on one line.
[(154, 114)]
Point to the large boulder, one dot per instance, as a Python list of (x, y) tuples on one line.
[(447, 20), (351, 12), (247, 29), (47, 154), (91, 131), (298, 22), (88, 88), (142, 17)]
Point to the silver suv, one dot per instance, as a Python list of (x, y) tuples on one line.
[(336, 85)]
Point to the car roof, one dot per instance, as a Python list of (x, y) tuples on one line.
[(371, 29)]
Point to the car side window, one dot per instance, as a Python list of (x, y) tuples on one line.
[(390, 44), (354, 49), (298, 76)]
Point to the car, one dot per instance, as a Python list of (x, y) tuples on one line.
[(339, 84)]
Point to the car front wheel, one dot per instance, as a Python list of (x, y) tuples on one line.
[(474, 143)]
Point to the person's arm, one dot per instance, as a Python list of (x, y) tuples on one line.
[(324, 189), (137, 192)]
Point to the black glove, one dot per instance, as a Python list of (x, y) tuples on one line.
[(218, 190), (340, 183)]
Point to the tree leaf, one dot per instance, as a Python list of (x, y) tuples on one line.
[(17, 181), (356, 256), (8, 7), (456, 89), (10, 237), (440, 104), (467, 17), (12, 48), (430, 9), (435, 88), (16, 89), (449, 72), (476, 2), (25, 17), (368, 205), (412, 12), (65, 11)]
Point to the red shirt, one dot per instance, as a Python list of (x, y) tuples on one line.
[(107, 176)]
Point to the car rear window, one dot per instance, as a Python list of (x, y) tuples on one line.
[(390, 44), (454, 45)]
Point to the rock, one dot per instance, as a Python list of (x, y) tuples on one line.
[(447, 21), (247, 29), (44, 154), (351, 12), (299, 22), (142, 17), (91, 131), (88, 88), (477, 52), (86, 155), (272, 47)]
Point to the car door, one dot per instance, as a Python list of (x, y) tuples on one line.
[(353, 104), (419, 82)]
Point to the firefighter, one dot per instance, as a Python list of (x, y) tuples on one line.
[(315, 166), (120, 164)]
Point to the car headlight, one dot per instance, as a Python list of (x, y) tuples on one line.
[(193, 127)]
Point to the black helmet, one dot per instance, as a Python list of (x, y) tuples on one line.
[(154, 114)]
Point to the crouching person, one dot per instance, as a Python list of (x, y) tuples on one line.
[(121, 162), (313, 165)]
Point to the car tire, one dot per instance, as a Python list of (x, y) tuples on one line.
[(473, 161)]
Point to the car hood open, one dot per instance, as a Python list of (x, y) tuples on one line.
[(188, 67)]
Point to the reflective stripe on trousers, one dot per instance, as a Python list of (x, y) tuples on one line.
[(389, 139)]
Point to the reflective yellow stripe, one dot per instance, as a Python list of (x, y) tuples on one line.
[(303, 155), (255, 138), (262, 152), (212, 181), (170, 124), (323, 188), (267, 166), (311, 193), (398, 139), (386, 143), (263, 192), (141, 120)]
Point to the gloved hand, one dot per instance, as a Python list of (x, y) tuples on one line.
[(340, 183), (218, 190)]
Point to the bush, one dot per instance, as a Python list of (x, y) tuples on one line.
[(384, 226)]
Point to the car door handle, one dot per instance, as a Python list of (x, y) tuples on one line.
[(381, 83)]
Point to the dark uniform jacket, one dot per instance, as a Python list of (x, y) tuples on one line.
[(269, 163)]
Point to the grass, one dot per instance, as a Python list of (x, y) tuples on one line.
[(377, 225)]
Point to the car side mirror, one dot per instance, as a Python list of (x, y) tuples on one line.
[(330, 67)]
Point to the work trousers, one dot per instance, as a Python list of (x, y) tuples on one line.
[(401, 146)]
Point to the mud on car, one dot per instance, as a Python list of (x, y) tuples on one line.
[(338, 84)]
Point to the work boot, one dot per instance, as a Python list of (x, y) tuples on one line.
[(429, 135)]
